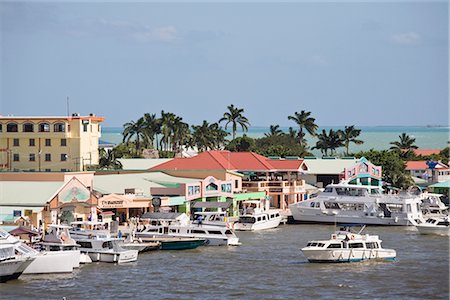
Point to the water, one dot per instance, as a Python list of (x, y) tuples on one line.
[(375, 137), (268, 265)]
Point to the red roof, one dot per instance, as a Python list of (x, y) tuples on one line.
[(416, 165), (425, 152), (226, 160)]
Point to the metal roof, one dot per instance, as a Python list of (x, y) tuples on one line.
[(141, 163), (200, 204), (27, 193), (328, 166)]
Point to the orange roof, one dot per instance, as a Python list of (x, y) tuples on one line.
[(226, 160), (416, 165), (425, 152)]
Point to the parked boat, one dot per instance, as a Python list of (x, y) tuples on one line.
[(212, 218), (433, 206), (11, 265), (435, 225), (176, 243), (355, 204), (256, 217), (140, 245), (346, 246)]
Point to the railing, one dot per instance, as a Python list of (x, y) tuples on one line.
[(269, 185)]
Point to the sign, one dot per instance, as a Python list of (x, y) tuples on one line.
[(111, 203)]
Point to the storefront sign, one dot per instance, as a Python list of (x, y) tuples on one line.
[(111, 204)]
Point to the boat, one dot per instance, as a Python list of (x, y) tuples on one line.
[(217, 218), (140, 245), (435, 225), (99, 245), (179, 225), (11, 264), (346, 246), (433, 206), (257, 218), (354, 204), (176, 243)]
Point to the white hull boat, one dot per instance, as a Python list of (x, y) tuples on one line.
[(54, 262), (257, 216), (11, 265), (436, 226), (114, 257)]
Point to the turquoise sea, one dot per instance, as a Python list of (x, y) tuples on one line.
[(374, 137)]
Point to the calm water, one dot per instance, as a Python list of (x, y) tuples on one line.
[(268, 265)]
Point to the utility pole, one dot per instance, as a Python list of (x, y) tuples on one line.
[(68, 107)]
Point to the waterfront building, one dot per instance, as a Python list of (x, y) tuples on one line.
[(323, 171), (30, 143), (363, 173), (430, 171)]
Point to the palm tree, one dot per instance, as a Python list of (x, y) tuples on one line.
[(108, 160), (329, 141), (292, 133), (152, 127), (235, 117), (274, 131), (136, 130), (303, 120), (201, 136), (405, 145), (181, 134), (167, 127), (349, 135)]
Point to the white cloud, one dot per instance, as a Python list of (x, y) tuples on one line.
[(407, 38)]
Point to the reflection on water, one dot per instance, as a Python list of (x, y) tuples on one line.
[(269, 264)]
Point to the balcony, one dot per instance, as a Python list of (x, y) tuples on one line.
[(295, 186)]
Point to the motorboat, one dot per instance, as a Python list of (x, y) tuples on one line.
[(98, 244), (212, 218), (11, 264), (257, 218), (176, 243), (88, 229), (140, 245), (346, 246), (179, 225), (435, 225), (433, 206), (346, 203), (44, 262)]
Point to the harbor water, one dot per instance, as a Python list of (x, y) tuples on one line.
[(268, 265)]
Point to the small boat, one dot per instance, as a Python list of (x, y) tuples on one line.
[(11, 264), (257, 218), (346, 246), (435, 225), (176, 243), (140, 245)]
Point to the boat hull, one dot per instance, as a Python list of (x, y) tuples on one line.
[(54, 262), (182, 244), (436, 230), (348, 255), (12, 269), (114, 257), (258, 225)]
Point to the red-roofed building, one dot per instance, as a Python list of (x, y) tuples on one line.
[(426, 152), (439, 173), (248, 171)]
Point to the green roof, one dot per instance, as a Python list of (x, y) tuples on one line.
[(445, 184), (27, 193)]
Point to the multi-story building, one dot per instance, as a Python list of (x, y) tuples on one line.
[(29, 143)]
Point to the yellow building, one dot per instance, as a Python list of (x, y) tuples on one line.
[(49, 143)]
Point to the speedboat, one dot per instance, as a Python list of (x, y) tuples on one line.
[(11, 264), (433, 206), (355, 204), (346, 246), (257, 218), (176, 243), (435, 225)]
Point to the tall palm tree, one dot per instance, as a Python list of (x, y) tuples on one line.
[(292, 133), (349, 135), (304, 121), (152, 128), (181, 134), (167, 126), (274, 131), (328, 141), (201, 136), (235, 117), (135, 130), (108, 160), (405, 145)]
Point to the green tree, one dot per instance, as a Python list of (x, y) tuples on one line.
[(241, 144), (304, 121), (349, 135), (328, 141), (405, 146), (235, 116), (208, 136), (152, 127), (108, 160), (135, 130), (274, 131)]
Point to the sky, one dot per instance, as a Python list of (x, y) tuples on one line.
[(349, 63)]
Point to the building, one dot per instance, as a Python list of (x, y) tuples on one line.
[(47, 144), (323, 171), (430, 171)]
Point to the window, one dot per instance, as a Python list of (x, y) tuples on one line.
[(84, 244), (1, 127), (32, 157), (63, 142), (15, 157), (48, 170), (85, 126), (59, 127), (236, 184), (356, 245), (16, 142), (63, 157), (48, 157), (334, 246), (44, 127), (11, 127), (31, 143), (28, 127), (214, 232), (48, 142)]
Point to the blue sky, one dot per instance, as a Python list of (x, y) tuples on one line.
[(348, 63)]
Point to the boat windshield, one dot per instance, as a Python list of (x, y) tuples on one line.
[(246, 220)]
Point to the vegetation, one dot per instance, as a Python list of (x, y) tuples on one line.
[(349, 135), (304, 121), (405, 146), (235, 116)]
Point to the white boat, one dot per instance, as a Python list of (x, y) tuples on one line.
[(356, 204), (345, 246), (11, 265), (256, 217), (44, 262), (433, 206), (98, 244), (179, 225), (57, 238), (435, 225), (212, 218)]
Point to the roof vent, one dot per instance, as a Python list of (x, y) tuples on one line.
[(275, 157), (92, 114), (75, 115)]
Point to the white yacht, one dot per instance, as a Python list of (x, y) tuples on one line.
[(11, 264), (98, 244), (257, 218), (356, 204), (180, 226), (435, 225), (432, 205), (212, 218), (345, 246), (43, 261)]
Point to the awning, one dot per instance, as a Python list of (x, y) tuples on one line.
[(160, 216), (200, 204)]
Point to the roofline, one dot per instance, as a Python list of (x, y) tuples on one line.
[(95, 118)]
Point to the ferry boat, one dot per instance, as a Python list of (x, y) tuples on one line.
[(435, 225), (356, 204), (257, 218), (179, 225), (11, 264), (345, 246)]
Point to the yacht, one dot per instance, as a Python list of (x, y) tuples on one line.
[(181, 226), (99, 245), (346, 246), (356, 204), (212, 218), (257, 218), (435, 225), (11, 264), (433, 206)]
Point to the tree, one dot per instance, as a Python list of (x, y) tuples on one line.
[(152, 127), (108, 160), (405, 146), (330, 141), (235, 116), (274, 131), (304, 121), (349, 135), (135, 130), (208, 136), (241, 144)]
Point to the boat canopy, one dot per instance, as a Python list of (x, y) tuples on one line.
[(200, 204)]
